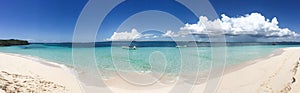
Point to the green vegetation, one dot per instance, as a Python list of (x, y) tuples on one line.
[(12, 42)]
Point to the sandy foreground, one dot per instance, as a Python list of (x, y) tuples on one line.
[(277, 74), (22, 75)]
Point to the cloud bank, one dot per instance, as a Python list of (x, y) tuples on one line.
[(252, 27), (254, 24)]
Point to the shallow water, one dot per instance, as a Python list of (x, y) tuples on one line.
[(156, 59)]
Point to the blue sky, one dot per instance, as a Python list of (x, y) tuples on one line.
[(39, 20), (55, 20)]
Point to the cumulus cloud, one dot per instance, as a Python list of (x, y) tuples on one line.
[(129, 36), (254, 25), (125, 36)]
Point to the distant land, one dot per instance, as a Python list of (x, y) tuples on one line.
[(12, 42)]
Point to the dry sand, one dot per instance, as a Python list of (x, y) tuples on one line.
[(276, 74), (22, 75)]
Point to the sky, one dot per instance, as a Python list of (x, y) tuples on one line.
[(55, 20)]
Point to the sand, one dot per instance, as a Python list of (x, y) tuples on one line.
[(22, 75), (276, 74)]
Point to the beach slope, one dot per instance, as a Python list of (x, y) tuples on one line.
[(20, 74), (276, 74)]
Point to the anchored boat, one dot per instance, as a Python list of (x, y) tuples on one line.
[(129, 47)]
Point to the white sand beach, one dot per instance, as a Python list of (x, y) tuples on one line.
[(276, 74), (21, 75)]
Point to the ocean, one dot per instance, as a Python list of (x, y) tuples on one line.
[(149, 56)]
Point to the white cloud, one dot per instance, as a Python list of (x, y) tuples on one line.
[(254, 24), (169, 33), (125, 36), (149, 36), (129, 36)]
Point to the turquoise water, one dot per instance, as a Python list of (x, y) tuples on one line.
[(144, 58)]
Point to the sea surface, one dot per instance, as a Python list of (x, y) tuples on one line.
[(149, 56)]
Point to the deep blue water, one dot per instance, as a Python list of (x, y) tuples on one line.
[(164, 44)]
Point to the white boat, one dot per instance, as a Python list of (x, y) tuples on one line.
[(129, 47)]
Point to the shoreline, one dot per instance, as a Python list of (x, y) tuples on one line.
[(111, 82), (45, 62), (232, 68)]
